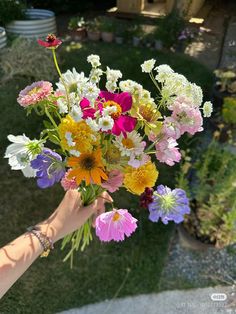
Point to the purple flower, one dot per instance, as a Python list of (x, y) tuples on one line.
[(168, 205), (50, 168)]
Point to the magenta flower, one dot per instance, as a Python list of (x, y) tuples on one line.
[(167, 152), (188, 116), (34, 93), (123, 103), (88, 111), (51, 42), (68, 184), (115, 180), (115, 225)]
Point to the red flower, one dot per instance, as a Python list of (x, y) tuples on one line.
[(51, 41)]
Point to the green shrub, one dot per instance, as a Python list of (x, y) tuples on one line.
[(76, 22), (213, 216), (229, 110), (11, 10)]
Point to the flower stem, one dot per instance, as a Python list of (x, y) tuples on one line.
[(50, 118), (59, 72)]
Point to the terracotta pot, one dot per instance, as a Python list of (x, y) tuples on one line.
[(94, 36), (79, 34), (108, 37), (189, 242)]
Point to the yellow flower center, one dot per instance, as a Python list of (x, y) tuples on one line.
[(116, 217), (146, 112), (128, 143), (111, 103), (34, 90)]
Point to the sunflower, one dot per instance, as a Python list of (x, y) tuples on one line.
[(88, 167), (137, 179), (82, 137)]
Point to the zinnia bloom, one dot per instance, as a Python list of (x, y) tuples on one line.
[(88, 111), (88, 167), (146, 197), (168, 205), (76, 136), (137, 179), (115, 225), (51, 41), (115, 180), (34, 93), (68, 184), (123, 103), (50, 168)]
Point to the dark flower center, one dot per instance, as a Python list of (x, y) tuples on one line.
[(50, 38), (88, 163)]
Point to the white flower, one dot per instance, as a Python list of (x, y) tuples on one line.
[(91, 92), (131, 87), (69, 139), (94, 60), (113, 75), (74, 152), (148, 65), (73, 81), (207, 109), (76, 113), (105, 123), (95, 75), (111, 86), (62, 105), (107, 111), (21, 152), (92, 124), (164, 71), (131, 145)]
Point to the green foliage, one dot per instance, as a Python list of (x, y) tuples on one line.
[(213, 218), (107, 24), (93, 25), (25, 58), (11, 10), (229, 110), (76, 22), (169, 28)]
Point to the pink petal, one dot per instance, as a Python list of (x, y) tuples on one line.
[(124, 100)]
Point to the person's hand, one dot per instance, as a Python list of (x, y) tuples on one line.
[(71, 215)]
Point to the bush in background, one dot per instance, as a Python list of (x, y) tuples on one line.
[(11, 10)]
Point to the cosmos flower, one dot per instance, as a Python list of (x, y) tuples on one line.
[(168, 205), (115, 180), (51, 42), (115, 225)]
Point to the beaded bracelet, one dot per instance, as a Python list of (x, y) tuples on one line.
[(45, 241)]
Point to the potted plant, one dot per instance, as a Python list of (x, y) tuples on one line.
[(168, 29), (212, 186), (107, 27), (77, 27), (93, 29), (120, 32), (225, 85), (185, 37), (136, 33)]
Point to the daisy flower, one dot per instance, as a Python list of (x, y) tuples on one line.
[(115, 225), (73, 81), (132, 144), (88, 167), (105, 123), (34, 93)]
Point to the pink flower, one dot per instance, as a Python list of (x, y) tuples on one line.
[(88, 111), (167, 152), (189, 117), (34, 93), (123, 103), (138, 161), (115, 180), (115, 225), (68, 184), (171, 128), (51, 42)]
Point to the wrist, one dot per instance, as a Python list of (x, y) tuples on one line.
[(50, 229)]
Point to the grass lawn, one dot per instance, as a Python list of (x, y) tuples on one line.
[(103, 271)]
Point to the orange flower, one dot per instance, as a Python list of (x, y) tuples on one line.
[(88, 167)]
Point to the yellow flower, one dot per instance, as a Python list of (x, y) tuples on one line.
[(88, 167), (77, 135), (149, 117), (137, 179)]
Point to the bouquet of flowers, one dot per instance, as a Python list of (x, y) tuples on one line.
[(102, 139)]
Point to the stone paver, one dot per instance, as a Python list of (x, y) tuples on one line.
[(194, 301), (228, 58)]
